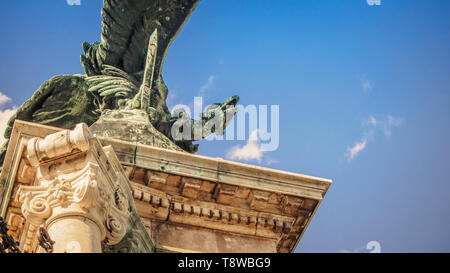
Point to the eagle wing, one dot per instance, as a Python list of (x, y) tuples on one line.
[(62, 101), (126, 28)]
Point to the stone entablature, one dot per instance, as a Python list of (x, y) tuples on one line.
[(216, 194)]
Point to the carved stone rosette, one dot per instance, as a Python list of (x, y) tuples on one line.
[(76, 189)]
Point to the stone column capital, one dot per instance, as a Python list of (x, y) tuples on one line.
[(82, 193), (75, 178)]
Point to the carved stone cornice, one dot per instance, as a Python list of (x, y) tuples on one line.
[(221, 195), (243, 216), (218, 170)]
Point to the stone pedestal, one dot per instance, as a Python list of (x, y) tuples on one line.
[(131, 126), (98, 194)]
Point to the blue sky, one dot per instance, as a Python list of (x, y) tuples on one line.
[(347, 77)]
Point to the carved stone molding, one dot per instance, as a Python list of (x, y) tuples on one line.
[(245, 220)]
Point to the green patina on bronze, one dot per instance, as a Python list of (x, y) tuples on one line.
[(123, 73)]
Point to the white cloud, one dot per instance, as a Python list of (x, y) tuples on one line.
[(352, 152), (382, 125), (391, 123), (366, 84), (372, 121), (5, 115), (208, 83), (250, 151), (385, 125), (4, 99)]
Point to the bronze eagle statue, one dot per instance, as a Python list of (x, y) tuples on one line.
[(123, 71)]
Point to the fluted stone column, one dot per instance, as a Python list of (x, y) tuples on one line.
[(75, 234)]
